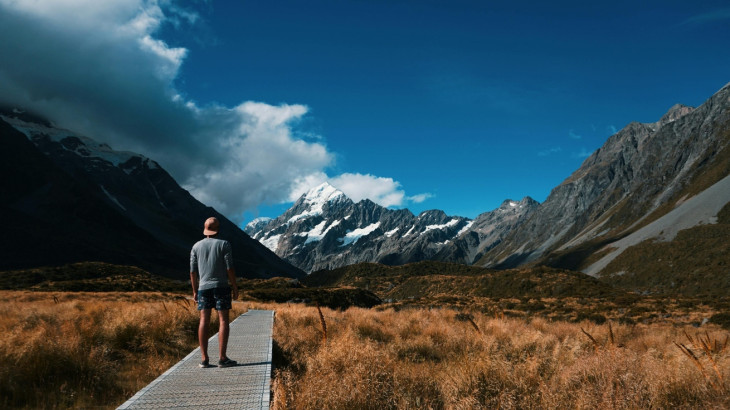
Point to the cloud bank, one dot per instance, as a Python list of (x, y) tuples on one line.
[(383, 191), (95, 67)]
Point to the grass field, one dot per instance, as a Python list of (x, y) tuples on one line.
[(84, 349), (441, 359), (440, 350)]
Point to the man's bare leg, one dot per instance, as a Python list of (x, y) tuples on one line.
[(203, 332), (223, 330)]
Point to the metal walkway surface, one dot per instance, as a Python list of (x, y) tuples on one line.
[(244, 386)]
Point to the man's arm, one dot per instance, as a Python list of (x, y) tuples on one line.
[(232, 280), (194, 273), (194, 282)]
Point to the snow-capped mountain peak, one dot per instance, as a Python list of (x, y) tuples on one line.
[(313, 202), (258, 221), (324, 229), (321, 194)]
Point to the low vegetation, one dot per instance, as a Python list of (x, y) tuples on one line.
[(439, 359), (429, 279), (696, 263), (88, 276), (436, 336), (552, 294), (81, 350), (105, 277)]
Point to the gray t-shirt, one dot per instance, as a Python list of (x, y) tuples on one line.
[(210, 258)]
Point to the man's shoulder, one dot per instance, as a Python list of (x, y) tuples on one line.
[(211, 242)]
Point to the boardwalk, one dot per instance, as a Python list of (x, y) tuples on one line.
[(245, 386)]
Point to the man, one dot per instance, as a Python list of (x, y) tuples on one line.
[(212, 260)]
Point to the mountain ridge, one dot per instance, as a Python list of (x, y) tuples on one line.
[(83, 201), (619, 197), (640, 174), (325, 229)]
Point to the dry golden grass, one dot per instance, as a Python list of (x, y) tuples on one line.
[(80, 350), (421, 359), (64, 350)]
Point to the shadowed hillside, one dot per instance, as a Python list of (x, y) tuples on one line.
[(67, 198), (430, 279)]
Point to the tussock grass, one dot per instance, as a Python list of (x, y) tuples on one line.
[(81, 350), (438, 359)]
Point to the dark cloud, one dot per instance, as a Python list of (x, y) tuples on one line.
[(96, 68)]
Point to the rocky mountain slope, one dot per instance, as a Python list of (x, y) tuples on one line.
[(646, 183), (68, 198), (487, 231), (325, 229)]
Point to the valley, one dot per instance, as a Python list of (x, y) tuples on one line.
[(612, 293)]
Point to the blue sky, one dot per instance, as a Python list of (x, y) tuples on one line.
[(452, 105), (469, 102)]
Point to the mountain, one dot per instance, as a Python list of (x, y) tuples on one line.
[(487, 231), (325, 229), (67, 198), (646, 184)]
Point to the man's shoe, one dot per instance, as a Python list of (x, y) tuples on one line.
[(204, 364), (226, 362)]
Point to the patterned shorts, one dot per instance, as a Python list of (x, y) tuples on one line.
[(218, 297)]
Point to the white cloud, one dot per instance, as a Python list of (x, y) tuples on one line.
[(172, 56), (260, 161), (417, 199), (550, 151), (97, 68), (383, 191), (574, 136), (302, 184)]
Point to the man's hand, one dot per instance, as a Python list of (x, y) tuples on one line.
[(232, 281), (194, 282)]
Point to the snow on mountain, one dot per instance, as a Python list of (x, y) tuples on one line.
[(258, 222), (353, 236), (325, 229), (315, 200), (391, 233), (319, 231), (272, 242), (441, 226), (79, 145), (255, 228), (465, 228), (486, 231)]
